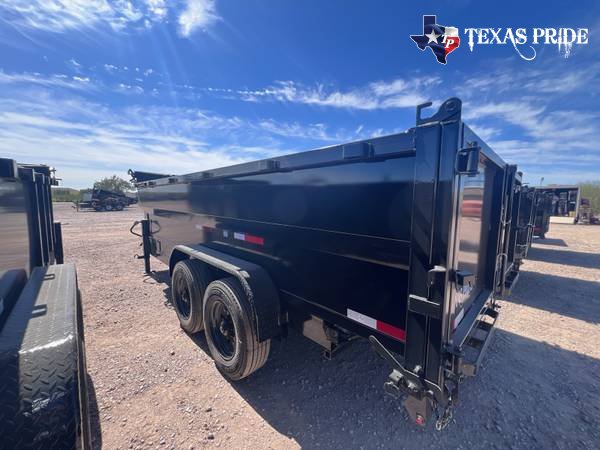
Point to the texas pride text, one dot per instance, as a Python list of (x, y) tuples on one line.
[(565, 38)]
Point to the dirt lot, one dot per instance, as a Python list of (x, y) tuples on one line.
[(153, 386)]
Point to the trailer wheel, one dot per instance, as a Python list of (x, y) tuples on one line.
[(119, 207), (230, 334), (108, 207), (188, 283)]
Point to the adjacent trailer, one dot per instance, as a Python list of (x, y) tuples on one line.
[(104, 200), (544, 204), (43, 384), (520, 200), (399, 239), (525, 222), (566, 200)]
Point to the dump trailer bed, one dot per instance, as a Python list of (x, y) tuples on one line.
[(398, 239), (43, 384)]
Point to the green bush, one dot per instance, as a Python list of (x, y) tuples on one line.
[(591, 191), (65, 195)]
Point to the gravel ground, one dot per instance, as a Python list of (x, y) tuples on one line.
[(153, 386)]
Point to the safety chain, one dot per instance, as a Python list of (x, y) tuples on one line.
[(444, 419)]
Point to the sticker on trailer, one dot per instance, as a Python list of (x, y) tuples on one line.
[(245, 237), (383, 327)]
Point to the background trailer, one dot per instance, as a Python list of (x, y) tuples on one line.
[(565, 201)]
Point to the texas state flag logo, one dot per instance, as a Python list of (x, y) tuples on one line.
[(442, 40)]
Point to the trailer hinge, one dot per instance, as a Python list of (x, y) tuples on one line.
[(424, 305), (467, 160)]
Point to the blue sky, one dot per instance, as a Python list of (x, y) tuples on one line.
[(95, 87)]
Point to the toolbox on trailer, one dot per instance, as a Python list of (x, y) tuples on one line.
[(400, 239), (43, 379)]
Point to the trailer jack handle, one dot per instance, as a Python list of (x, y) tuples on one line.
[(145, 242)]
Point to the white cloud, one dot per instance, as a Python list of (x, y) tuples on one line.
[(398, 93), (197, 15), (53, 80), (85, 140), (60, 16)]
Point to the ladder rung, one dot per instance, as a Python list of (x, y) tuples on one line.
[(491, 313), (485, 326), (475, 342)]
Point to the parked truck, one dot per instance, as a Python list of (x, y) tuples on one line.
[(43, 384), (399, 239)]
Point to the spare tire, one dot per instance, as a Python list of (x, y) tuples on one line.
[(188, 283), (230, 333)]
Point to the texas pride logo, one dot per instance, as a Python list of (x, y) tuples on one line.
[(440, 39)]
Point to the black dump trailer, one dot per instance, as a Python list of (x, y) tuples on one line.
[(544, 206), (105, 200), (43, 388), (525, 223), (398, 239), (520, 203), (566, 200)]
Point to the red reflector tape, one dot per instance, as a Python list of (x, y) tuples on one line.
[(249, 238), (254, 239), (378, 325), (391, 330)]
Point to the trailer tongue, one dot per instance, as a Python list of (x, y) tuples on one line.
[(402, 239)]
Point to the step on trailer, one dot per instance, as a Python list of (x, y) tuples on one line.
[(43, 379), (400, 239)]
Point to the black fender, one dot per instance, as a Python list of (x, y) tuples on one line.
[(43, 380), (256, 282)]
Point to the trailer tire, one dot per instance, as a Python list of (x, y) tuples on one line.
[(108, 207), (188, 284), (227, 310), (119, 207)]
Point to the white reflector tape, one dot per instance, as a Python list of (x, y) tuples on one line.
[(240, 236), (378, 325), (459, 317), (361, 318)]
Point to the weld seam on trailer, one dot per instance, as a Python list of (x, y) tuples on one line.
[(323, 230)]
